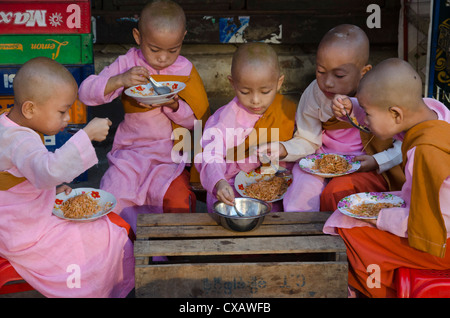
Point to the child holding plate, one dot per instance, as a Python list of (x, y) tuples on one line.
[(416, 235), (342, 60), (58, 258), (256, 114), (142, 174)]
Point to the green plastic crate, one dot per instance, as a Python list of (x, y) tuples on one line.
[(64, 48)]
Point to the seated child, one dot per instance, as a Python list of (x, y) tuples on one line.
[(342, 58), (142, 174), (58, 258), (257, 113), (413, 236)]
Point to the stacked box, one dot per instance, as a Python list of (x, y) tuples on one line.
[(57, 29)]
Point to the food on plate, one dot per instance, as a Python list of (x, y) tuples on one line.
[(144, 91), (332, 164), (80, 206), (267, 190), (371, 209)]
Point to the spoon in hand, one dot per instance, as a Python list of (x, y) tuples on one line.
[(159, 88), (366, 130)]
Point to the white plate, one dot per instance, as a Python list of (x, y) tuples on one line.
[(244, 179), (146, 94), (307, 164), (345, 205), (105, 199)]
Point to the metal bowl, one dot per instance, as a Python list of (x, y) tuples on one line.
[(254, 211)]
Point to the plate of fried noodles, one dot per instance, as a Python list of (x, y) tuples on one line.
[(329, 165), (265, 187), (83, 204), (367, 205)]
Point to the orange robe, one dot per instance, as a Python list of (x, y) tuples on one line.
[(425, 246)]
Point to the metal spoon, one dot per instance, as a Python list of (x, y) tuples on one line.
[(159, 88), (362, 128), (265, 159), (237, 211)]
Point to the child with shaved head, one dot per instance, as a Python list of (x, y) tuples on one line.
[(43, 248), (341, 62), (414, 236), (257, 114), (142, 174)]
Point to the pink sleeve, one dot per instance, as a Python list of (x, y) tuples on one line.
[(211, 162), (184, 116), (46, 169), (395, 220), (91, 91)]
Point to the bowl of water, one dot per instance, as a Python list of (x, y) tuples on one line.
[(253, 212)]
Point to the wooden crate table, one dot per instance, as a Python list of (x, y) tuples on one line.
[(287, 256)]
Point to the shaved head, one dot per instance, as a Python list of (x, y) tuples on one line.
[(162, 15), (37, 78), (392, 82), (254, 55), (348, 38)]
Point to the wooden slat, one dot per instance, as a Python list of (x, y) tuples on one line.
[(182, 231), (249, 280), (208, 219), (237, 246)]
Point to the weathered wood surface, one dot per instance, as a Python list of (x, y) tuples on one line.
[(287, 256), (247, 280)]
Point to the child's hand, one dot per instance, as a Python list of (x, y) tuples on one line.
[(368, 163), (173, 104), (137, 75), (97, 129), (63, 188), (224, 192), (341, 103), (274, 150)]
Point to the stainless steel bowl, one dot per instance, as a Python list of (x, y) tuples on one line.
[(253, 210)]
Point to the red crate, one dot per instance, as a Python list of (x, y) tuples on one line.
[(45, 17)]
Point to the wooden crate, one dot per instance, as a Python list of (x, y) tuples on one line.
[(16, 49), (41, 17), (287, 256)]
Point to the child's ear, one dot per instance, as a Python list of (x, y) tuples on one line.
[(137, 36), (365, 69), (28, 109), (397, 114), (280, 82), (230, 79)]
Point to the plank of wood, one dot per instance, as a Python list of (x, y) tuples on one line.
[(187, 231), (239, 246), (253, 280), (148, 219)]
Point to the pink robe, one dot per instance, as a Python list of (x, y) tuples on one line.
[(228, 127), (59, 258), (395, 220), (141, 168)]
